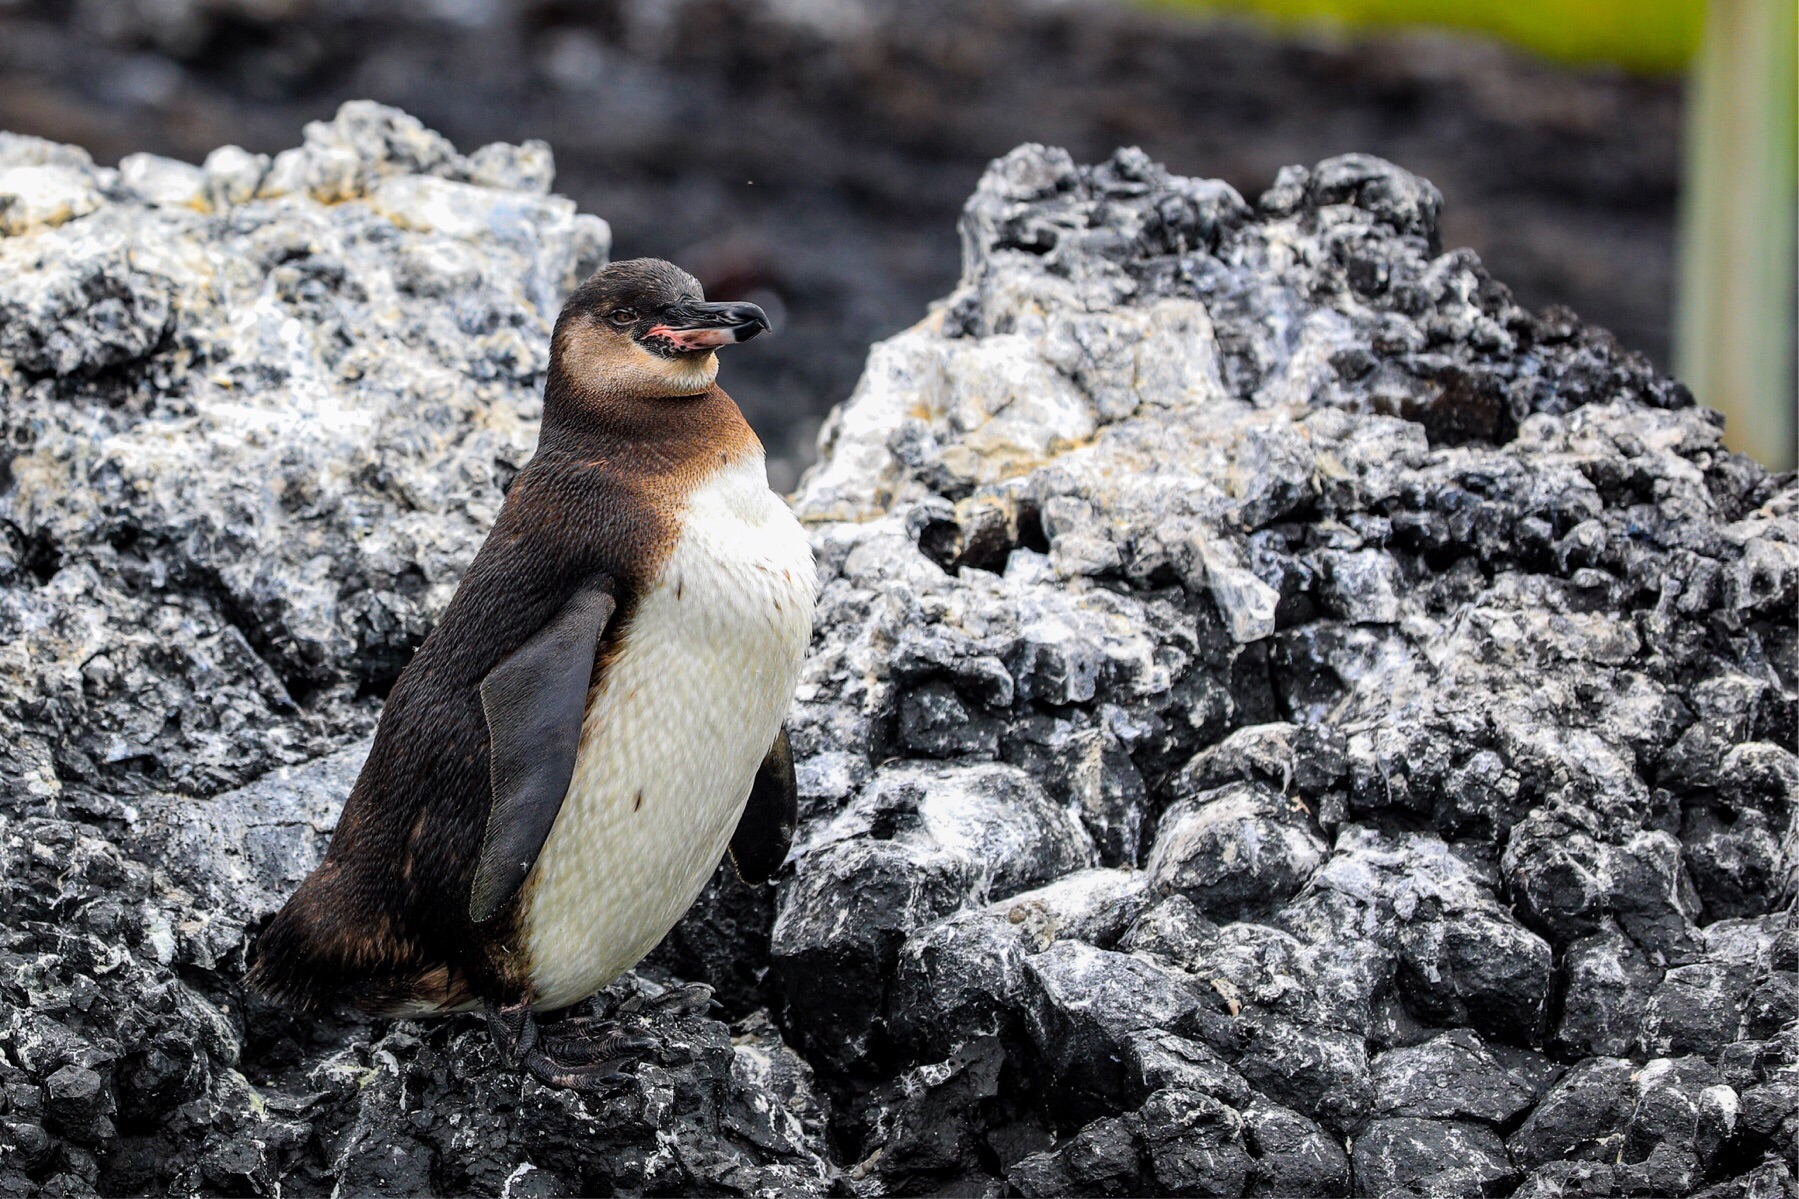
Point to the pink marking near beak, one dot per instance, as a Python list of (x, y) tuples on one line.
[(695, 339)]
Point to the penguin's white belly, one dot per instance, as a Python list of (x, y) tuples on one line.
[(673, 737)]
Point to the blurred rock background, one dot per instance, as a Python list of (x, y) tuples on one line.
[(813, 154)]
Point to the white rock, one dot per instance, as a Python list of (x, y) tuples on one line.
[(35, 196), (233, 175), (164, 182)]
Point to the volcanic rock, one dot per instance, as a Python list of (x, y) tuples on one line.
[(1282, 718)]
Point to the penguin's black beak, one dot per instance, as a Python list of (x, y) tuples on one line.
[(698, 325)]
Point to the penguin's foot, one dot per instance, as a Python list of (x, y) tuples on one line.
[(688, 999), (587, 1053), (590, 1060), (581, 1038)]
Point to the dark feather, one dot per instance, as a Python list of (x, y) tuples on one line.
[(765, 831), (534, 702)]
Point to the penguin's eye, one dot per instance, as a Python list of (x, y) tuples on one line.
[(620, 317)]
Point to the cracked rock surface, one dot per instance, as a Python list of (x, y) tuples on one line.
[(1283, 719)]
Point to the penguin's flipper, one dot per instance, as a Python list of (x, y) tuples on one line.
[(534, 701), (765, 832)]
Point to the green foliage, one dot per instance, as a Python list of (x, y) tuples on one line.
[(1642, 35)]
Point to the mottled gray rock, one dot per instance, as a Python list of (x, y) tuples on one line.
[(240, 857), (1480, 969), (993, 819), (919, 843), (1582, 1116), (43, 185), (1193, 1144), (1319, 1071), (1103, 1158), (1404, 1155), (1177, 1143), (1259, 970), (1568, 1180), (1084, 1004), (1683, 1110), (959, 978), (1771, 1110), (1238, 852), (1772, 1179), (1609, 981), (1306, 758), (1462, 957), (1695, 1009), (1450, 1077), (965, 977), (927, 1123), (1173, 929), (434, 1104), (1160, 1059), (1293, 1155), (1267, 688), (1091, 768), (839, 930)]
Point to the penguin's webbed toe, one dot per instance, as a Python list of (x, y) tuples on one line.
[(616, 1043), (587, 1077), (582, 1053), (688, 999)]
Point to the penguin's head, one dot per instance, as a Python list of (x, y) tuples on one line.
[(643, 327)]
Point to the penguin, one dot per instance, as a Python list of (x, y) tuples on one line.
[(597, 719)]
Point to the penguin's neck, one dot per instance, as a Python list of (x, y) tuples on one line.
[(676, 433)]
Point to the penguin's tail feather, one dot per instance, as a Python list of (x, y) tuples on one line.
[(329, 947)]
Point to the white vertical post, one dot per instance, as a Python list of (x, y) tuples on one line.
[(1734, 318)]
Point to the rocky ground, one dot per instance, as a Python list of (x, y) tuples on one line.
[(1284, 719), (812, 155)]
